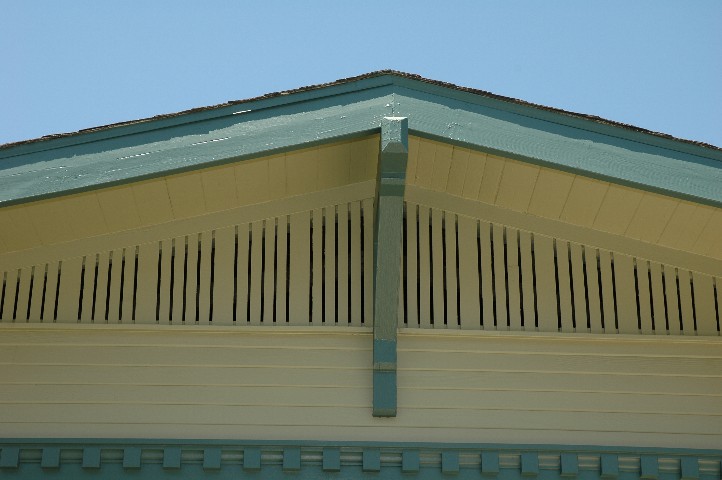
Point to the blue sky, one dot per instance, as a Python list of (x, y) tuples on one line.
[(70, 65)]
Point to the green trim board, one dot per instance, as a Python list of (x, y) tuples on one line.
[(157, 458), (388, 226), (352, 108)]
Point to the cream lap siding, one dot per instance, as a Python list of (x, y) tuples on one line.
[(315, 384)]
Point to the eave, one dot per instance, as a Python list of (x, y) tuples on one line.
[(351, 108)]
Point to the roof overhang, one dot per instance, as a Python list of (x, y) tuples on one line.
[(352, 108)]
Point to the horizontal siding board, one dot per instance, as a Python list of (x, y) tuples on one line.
[(359, 396), (341, 377), (320, 416)]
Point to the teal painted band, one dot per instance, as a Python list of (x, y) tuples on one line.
[(355, 460), (501, 448)]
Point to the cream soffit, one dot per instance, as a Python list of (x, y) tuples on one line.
[(442, 168), (573, 199), (176, 197)]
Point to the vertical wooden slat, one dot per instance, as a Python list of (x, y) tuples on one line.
[(355, 273), (500, 277), (608, 302), (566, 302), (129, 254), (626, 293), (595, 301), (670, 290), (26, 276), (330, 258), (256, 271), (412, 267), (437, 276), (166, 260), (204, 288), (317, 267), (367, 206), (527, 280), (451, 270), (101, 294), (282, 272), (243, 231), (88, 287), (69, 295), (115, 276), (704, 304), (685, 298), (487, 279), (645, 301), (51, 287), (224, 275), (581, 293), (36, 304), (269, 278), (191, 283), (179, 264), (300, 268), (424, 265), (513, 272), (546, 294), (342, 307), (659, 313), (470, 308), (11, 286), (147, 276)]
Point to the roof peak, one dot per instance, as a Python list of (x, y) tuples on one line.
[(348, 80)]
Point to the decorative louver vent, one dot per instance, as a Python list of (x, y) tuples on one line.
[(461, 272), (315, 268), (303, 268)]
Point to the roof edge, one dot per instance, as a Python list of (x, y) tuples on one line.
[(349, 80)]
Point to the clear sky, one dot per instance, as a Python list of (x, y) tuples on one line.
[(70, 65)]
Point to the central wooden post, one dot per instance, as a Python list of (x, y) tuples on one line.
[(388, 222)]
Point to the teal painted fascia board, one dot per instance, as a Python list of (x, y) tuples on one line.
[(189, 146), (233, 108), (350, 109), (553, 115), (555, 145)]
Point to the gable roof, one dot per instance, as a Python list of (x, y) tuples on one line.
[(350, 108)]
